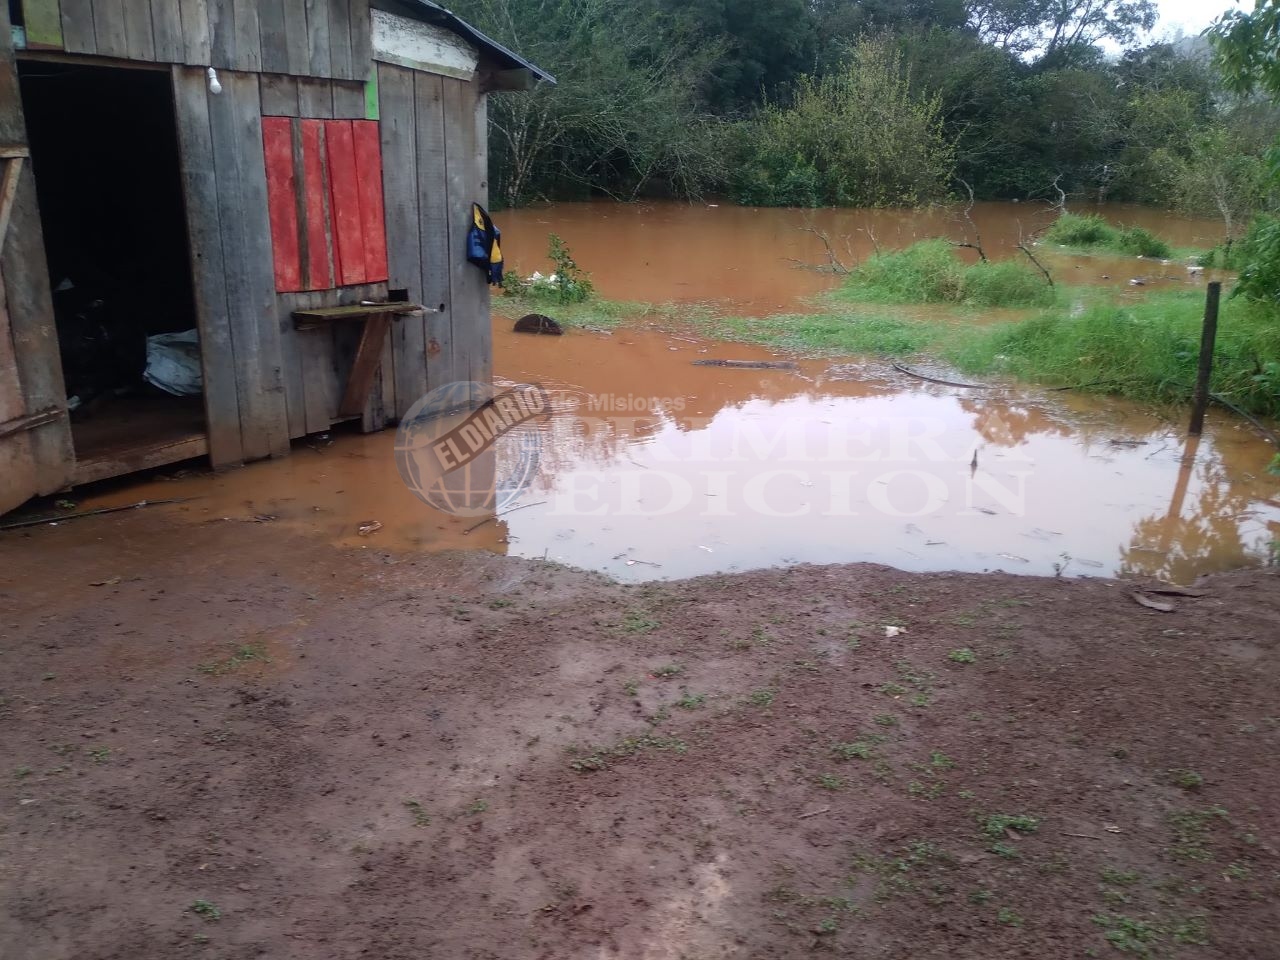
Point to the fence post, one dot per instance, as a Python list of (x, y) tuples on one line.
[(1208, 334)]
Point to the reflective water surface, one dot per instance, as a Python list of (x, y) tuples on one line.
[(656, 467)]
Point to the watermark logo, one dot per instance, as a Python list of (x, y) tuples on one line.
[(468, 449)]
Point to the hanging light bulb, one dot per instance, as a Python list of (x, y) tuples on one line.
[(214, 86)]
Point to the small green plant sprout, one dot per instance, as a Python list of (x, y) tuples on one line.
[(1188, 779), (668, 671), (638, 621), (1236, 871), (981, 895), (940, 761), (420, 816), (247, 653), (761, 698), (206, 910), (1119, 878), (826, 926), (886, 719), (830, 781), (100, 754), (1127, 934), (892, 689), (21, 772), (477, 806), (1005, 850), (856, 750), (998, 825), (1008, 917), (962, 655), (631, 688), (691, 701)]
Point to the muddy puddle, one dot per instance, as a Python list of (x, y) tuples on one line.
[(752, 261), (656, 467)]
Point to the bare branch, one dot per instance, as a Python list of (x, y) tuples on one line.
[(1022, 245), (834, 263), (968, 216)]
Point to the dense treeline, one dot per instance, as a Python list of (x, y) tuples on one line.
[(813, 102)]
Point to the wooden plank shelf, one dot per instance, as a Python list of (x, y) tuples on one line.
[(376, 320), (322, 316)]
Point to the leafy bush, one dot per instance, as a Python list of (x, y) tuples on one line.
[(856, 137), (568, 283), (1257, 257), (930, 272)]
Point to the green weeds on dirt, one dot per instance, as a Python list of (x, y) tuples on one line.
[(248, 653), (599, 758)]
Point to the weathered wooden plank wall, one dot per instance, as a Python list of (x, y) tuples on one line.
[(43, 461), (224, 176), (319, 38), (204, 235), (468, 287), (433, 230)]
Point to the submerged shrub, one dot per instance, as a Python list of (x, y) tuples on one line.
[(1091, 230), (1005, 284), (1142, 243), (930, 272), (569, 283), (1076, 230)]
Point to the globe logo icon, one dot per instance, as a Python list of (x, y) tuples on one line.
[(470, 450)]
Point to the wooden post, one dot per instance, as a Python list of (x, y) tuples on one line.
[(1209, 333)]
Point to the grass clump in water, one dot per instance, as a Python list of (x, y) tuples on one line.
[(1090, 231), (930, 272)]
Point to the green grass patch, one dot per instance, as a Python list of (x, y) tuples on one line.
[(1146, 349), (931, 272), (1090, 232), (830, 333)]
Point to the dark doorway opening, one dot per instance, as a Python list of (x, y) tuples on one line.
[(104, 151)]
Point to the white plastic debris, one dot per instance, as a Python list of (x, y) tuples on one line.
[(173, 363)]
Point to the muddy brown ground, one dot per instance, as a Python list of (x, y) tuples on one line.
[(224, 740)]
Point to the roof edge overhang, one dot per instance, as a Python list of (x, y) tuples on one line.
[(512, 71)]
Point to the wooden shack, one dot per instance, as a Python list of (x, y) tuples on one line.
[(237, 168)]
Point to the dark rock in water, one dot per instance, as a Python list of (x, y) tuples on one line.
[(537, 323)]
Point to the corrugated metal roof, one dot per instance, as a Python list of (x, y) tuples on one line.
[(433, 13)]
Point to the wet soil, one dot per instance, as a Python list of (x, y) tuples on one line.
[(231, 740)]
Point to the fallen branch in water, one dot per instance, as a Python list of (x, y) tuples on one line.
[(836, 265), (490, 519), (946, 383), (1262, 428), (750, 364), (20, 524)]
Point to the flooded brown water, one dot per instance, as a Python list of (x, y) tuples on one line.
[(656, 467), (745, 258)]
